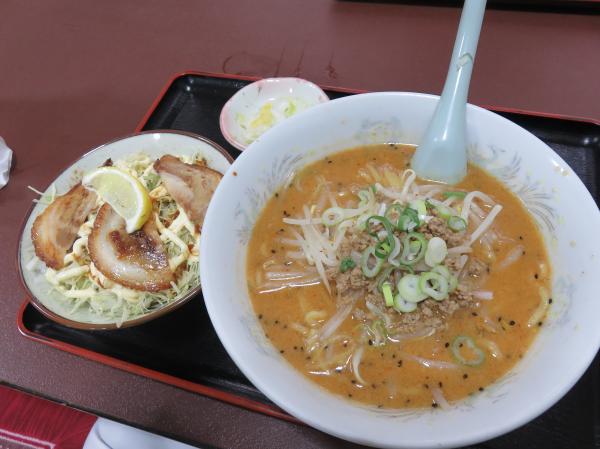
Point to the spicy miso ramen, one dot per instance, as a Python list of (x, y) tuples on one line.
[(395, 291)]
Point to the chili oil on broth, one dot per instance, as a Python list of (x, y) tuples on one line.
[(393, 379)]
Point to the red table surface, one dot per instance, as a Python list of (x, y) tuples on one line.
[(29, 422), (77, 73)]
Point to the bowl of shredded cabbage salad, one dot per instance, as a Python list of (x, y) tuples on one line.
[(80, 261)]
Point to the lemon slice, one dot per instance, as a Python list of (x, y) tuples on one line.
[(126, 195)]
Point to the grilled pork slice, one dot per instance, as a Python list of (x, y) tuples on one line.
[(192, 186), (55, 229), (137, 260)]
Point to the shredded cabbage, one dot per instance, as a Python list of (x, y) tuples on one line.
[(80, 284)]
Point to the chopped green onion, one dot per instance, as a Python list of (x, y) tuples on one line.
[(386, 288), (368, 270), (373, 220), (408, 268), (347, 264), (420, 207), (461, 341), (409, 289), (452, 280), (385, 245), (453, 283), (443, 211), (383, 249), (414, 246), (443, 270), (436, 252), (366, 196), (456, 194), (393, 213), (409, 220), (457, 223), (333, 216), (402, 305), (434, 285), (384, 277)]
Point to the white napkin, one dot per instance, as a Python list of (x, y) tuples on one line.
[(5, 161)]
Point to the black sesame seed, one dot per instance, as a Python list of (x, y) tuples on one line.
[(474, 313), (370, 342), (540, 323), (281, 351), (276, 321), (260, 316), (512, 322), (276, 195), (465, 376), (447, 344), (520, 237), (536, 275), (353, 381), (295, 348), (434, 404), (273, 251), (549, 300), (499, 318), (399, 363), (480, 388), (349, 395), (440, 384), (426, 386)]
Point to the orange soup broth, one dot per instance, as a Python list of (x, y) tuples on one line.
[(393, 380)]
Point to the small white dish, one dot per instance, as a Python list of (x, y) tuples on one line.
[(568, 219), (263, 104), (153, 143)]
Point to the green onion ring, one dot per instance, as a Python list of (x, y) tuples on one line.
[(456, 223), (370, 272), (461, 340), (439, 285), (398, 208), (419, 240), (385, 246)]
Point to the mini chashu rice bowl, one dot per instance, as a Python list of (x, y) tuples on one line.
[(565, 346), (134, 154)]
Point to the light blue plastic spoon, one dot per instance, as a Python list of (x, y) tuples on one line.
[(442, 154)]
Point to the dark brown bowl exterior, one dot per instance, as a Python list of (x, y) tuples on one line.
[(35, 302)]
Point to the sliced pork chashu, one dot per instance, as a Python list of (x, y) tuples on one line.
[(191, 185), (137, 260), (55, 229)]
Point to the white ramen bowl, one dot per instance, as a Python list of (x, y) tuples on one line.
[(567, 216)]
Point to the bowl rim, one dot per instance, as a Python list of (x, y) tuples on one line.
[(53, 316), (525, 415), (226, 109)]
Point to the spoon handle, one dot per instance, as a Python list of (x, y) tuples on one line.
[(456, 87), (446, 131)]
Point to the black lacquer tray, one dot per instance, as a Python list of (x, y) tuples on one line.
[(183, 349)]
